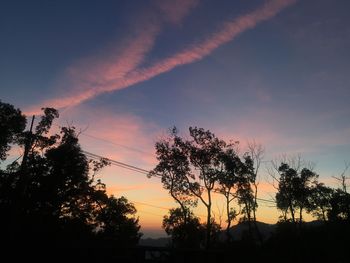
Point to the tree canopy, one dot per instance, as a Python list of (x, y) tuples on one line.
[(51, 196)]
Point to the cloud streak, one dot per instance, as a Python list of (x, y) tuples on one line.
[(125, 71)]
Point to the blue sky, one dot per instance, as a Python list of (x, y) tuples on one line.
[(144, 66)]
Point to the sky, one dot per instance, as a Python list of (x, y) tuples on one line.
[(124, 72)]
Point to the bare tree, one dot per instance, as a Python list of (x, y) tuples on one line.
[(256, 152), (342, 178)]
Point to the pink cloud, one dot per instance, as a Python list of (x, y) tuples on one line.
[(124, 72), (174, 11), (121, 136)]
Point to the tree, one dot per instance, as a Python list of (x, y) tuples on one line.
[(228, 184), (174, 167), (342, 178), (235, 182), (117, 223), (256, 153), (12, 124), (204, 151), (340, 206), (340, 200), (320, 201), (184, 234), (51, 197), (195, 167), (294, 190)]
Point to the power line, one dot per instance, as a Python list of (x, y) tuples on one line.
[(141, 170), (265, 200), (160, 207), (146, 212), (132, 167), (116, 144), (117, 163), (110, 142)]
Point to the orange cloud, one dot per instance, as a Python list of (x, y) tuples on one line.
[(116, 76)]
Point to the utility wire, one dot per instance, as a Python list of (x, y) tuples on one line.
[(116, 144), (140, 170), (110, 142), (117, 163), (131, 167), (160, 207)]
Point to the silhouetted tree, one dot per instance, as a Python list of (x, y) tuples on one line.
[(174, 167), (192, 169), (228, 184), (245, 191), (12, 124), (184, 234), (256, 152), (340, 199), (340, 206), (192, 162), (295, 190), (320, 201), (116, 221), (235, 182), (52, 197), (342, 178), (204, 151)]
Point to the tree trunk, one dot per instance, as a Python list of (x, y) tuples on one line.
[(324, 215), (292, 212), (208, 234), (248, 209), (255, 198), (183, 208), (228, 234), (300, 217), (254, 214)]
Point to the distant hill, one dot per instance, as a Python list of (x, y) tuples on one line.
[(155, 242), (237, 232), (266, 230)]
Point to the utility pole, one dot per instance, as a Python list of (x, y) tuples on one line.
[(21, 188), (24, 178), (27, 145)]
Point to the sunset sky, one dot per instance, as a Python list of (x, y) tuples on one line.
[(124, 72)]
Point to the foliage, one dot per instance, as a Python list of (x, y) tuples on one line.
[(174, 168), (295, 190), (320, 201), (12, 124), (117, 223), (192, 169), (184, 234), (52, 196), (340, 206)]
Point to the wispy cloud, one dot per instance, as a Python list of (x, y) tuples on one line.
[(125, 71), (119, 136)]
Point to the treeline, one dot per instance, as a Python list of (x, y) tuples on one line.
[(49, 196), (194, 168)]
